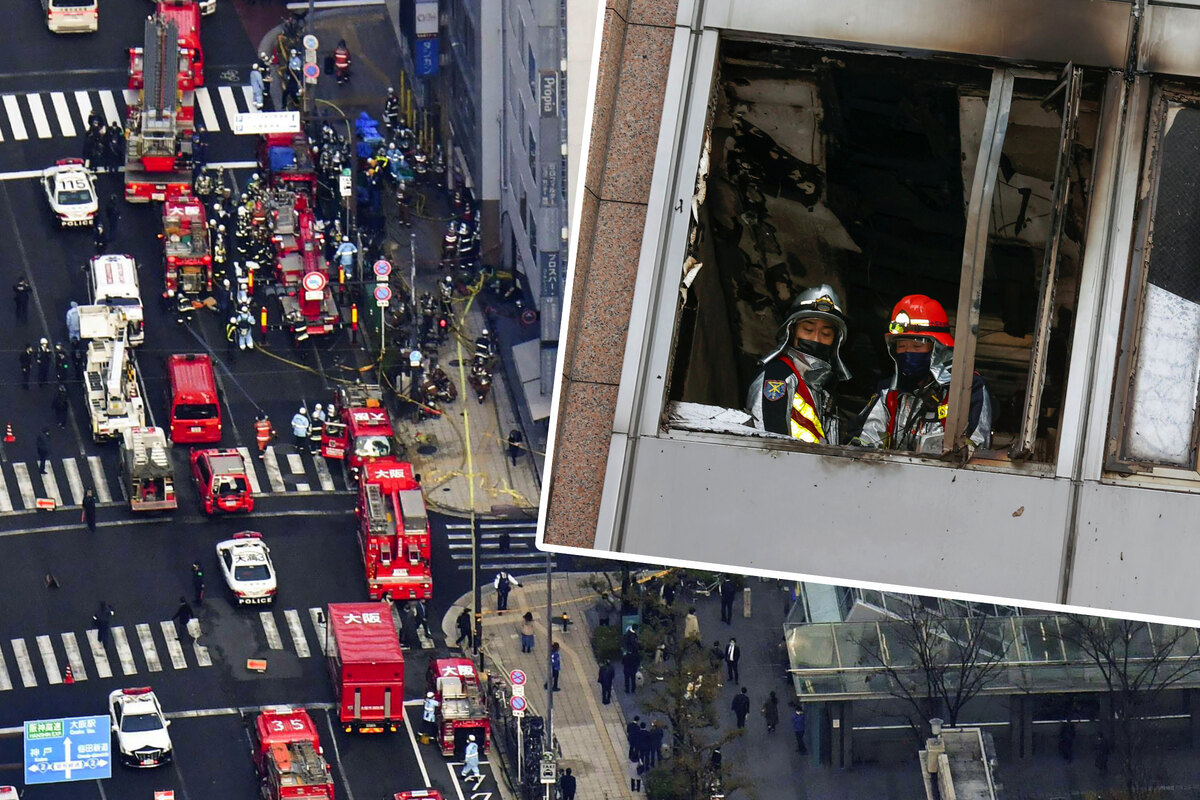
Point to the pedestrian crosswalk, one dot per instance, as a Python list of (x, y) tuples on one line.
[(502, 545), (67, 479), (49, 115), (144, 649)]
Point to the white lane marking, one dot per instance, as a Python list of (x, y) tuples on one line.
[(323, 474), (108, 104), (124, 652), (130, 96), (50, 484), (303, 487), (5, 500), (148, 649), (84, 101), (251, 472), (248, 95), (274, 640), (13, 109), (318, 621), (24, 663), (5, 681), (74, 657), (96, 467), (228, 103), (273, 473), (28, 498), (203, 659), (295, 463), (40, 121), (74, 480), (49, 660), (211, 122), (62, 110), (297, 631), (412, 737), (337, 756), (174, 648), (99, 654)]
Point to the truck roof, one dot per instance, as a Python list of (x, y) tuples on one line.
[(285, 724), (390, 473), (186, 16), (191, 374), (369, 421), (365, 633)]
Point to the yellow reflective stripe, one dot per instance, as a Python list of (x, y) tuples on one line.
[(809, 413)]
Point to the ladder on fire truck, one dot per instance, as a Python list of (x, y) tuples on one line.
[(160, 91)]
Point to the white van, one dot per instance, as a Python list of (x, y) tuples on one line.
[(113, 281), (72, 16)]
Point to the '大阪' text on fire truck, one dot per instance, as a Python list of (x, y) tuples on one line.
[(462, 705), (159, 125), (360, 429), (366, 666), (289, 757), (393, 532)]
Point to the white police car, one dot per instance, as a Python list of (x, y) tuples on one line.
[(246, 564), (141, 730), (71, 190)]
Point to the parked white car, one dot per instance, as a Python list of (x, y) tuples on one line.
[(246, 565), (139, 727), (71, 191)]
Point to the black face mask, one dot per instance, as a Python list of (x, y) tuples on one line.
[(816, 350), (913, 369)]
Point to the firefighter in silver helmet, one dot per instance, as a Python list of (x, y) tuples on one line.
[(792, 392)]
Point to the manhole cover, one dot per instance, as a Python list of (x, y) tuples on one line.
[(427, 449)]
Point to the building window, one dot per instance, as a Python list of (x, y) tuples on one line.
[(885, 177), (532, 225), (532, 64), (532, 153)]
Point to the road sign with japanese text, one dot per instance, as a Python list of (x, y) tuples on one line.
[(70, 749)]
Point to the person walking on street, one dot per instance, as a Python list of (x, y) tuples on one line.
[(770, 712), (566, 785), (514, 445), (43, 449), (635, 776), (608, 674), (100, 238), (112, 213), (463, 622), (429, 715), (527, 633), (257, 86), (636, 734), (21, 292), (728, 592), (691, 628), (423, 617), (741, 706), (733, 653), (798, 727), (61, 405), (103, 620), (630, 662), (263, 432), (318, 428), (503, 583), (197, 583), (646, 745), (471, 766), (657, 732), (27, 358), (184, 614), (72, 318), (300, 428), (44, 357), (62, 363), (89, 510), (555, 665)]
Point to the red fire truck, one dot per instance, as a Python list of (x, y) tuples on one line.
[(186, 16), (359, 429), (160, 120), (289, 757), (305, 297), (462, 704), (286, 158), (393, 532), (366, 666), (187, 261)]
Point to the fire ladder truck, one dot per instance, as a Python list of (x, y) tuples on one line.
[(159, 126)]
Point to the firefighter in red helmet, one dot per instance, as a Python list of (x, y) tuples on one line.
[(792, 392), (909, 411)]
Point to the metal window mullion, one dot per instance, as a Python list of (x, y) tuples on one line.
[(975, 246)]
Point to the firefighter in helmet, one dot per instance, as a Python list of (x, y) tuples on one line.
[(909, 411), (792, 392)]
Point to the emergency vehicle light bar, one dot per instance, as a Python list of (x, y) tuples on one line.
[(137, 691), (248, 535)]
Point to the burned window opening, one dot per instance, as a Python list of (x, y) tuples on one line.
[(854, 170)]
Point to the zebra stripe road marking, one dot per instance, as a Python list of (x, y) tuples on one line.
[(318, 621), (28, 498), (274, 640), (273, 473), (124, 652), (40, 121), (5, 681), (148, 649), (248, 95), (203, 659), (83, 100), (227, 102), (74, 657), (211, 123), (109, 105), (24, 663), (174, 648), (96, 467), (303, 487), (295, 463), (99, 654), (323, 474), (62, 111), (251, 472), (298, 639), (50, 484), (130, 96), (74, 480), (15, 121), (5, 500), (49, 660)]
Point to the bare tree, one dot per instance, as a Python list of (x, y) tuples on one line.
[(1137, 662), (936, 664)]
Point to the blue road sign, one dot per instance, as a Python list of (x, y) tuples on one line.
[(71, 749), (426, 57)]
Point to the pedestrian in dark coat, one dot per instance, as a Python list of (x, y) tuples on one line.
[(637, 740), (514, 445), (464, 627), (770, 712), (629, 667), (103, 620), (631, 729), (27, 358), (100, 238), (647, 744), (21, 292), (728, 592), (555, 665), (733, 654), (1066, 740), (89, 510), (43, 449), (657, 732), (741, 707), (798, 728), (197, 583), (112, 214), (607, 674), (566, 785), (184, 614), (45, 356)]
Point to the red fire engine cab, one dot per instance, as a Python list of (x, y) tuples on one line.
[(393, 532), (160, 120), (187, 262), (289, 757), (360, 429), (462, 705), (305, 297)]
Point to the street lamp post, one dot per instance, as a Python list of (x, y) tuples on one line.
[(549, 742)]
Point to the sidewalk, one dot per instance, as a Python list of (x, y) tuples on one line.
[(591, 735)]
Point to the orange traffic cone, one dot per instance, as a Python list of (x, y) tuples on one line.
[(8, 434), (68, 679)]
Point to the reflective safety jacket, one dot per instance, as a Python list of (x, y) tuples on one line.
[(263, 432), (781, 401), (341, 58), (429, 713), (898, 420)]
